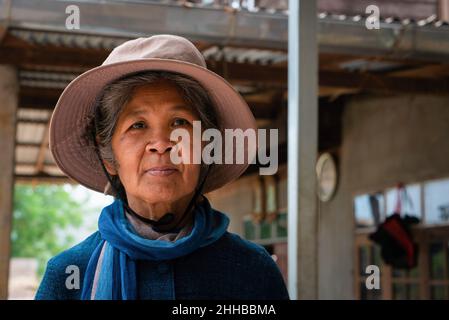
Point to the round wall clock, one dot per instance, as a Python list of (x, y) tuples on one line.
[(327, 175)]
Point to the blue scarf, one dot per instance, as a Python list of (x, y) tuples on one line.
[(122, 247)]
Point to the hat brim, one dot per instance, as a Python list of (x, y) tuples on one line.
[(76, 156)]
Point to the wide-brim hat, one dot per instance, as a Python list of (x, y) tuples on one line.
[(76, 156)]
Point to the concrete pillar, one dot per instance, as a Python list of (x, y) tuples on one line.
[(443, 10), (9, 88), (302, 149)]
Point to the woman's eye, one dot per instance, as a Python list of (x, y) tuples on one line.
[(180, 122), (138, 125)]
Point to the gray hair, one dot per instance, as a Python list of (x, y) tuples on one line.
[(118, 93)]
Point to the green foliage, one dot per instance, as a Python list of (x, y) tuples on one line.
[(43, 216)]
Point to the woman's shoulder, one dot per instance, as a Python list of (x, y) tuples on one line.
[(69, 264), (238, 259), (237, 243), (78, 253), (232, 246)]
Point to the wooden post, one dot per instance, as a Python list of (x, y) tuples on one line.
[(9, 88)]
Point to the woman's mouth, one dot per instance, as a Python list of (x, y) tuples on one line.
[(161, 171)]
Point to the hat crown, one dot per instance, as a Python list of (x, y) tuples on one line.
[(158, 46)]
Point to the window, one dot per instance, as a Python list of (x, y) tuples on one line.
[(281, 225), (436, 198), (266, 232), (249, 229), (267, 223), (405, 284), (429, 280), (411, 201), (439, 269), (369, 210), (428, 201)]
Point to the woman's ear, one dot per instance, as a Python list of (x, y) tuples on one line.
[(110, 168)]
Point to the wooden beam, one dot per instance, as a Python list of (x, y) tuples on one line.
[(263, 110), (267, 106), (32, 121), (33, 163), (346, 82), (335, 92), (242, 73), (9, 88), (38, 98), (46, 99), (49, 94), (333, 60), (28, 144), (237, 73), (431, 71), (380, 83)]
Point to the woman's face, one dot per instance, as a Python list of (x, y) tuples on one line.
[(141, 145)]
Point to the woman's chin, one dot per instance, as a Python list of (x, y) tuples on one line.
[(159, 193), (161, 183)]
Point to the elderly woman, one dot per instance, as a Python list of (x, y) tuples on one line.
[(160, 238)]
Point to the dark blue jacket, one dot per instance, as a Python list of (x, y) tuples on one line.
[(230, 268)]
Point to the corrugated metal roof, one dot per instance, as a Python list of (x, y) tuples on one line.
[(32, 114), (26, 155), (66, 39), (85, 41), (31, 128), (245, 55), (336, 32), (31, 133)]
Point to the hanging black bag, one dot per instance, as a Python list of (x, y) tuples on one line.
[(395, 239)]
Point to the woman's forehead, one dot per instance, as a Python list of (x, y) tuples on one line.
[(156, 97), (159, 91), (135, 110)]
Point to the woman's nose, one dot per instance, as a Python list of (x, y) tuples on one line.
[(160, 144)]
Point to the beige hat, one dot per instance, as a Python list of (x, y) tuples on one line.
[(76, 156)]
